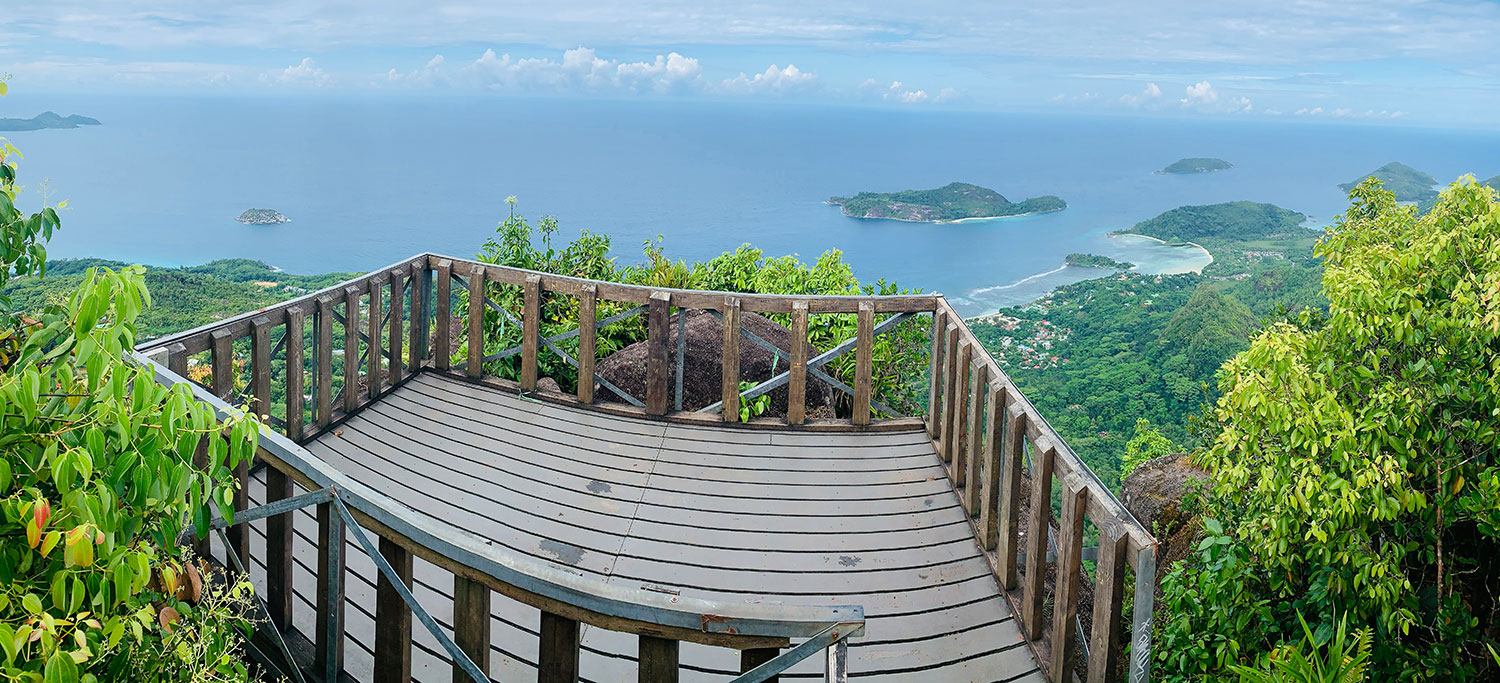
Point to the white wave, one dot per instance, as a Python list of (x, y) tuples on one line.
[(983, 290)]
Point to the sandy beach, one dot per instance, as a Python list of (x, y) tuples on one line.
[(1173, 271)]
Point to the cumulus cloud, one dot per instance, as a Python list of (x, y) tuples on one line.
[(1150, 93), (431, 74), (1200, 93), (774, 80), (306, 73), (896, 91), (1203, 97)]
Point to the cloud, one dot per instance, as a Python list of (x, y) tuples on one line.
[(1151, 92), (774, 81), (304, 74), (1203, 97), (1200, 93), (431, 74), (897, 91)]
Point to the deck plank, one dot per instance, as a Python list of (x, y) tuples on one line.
[(728, 514)]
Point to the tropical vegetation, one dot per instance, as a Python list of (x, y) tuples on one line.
[(1407, 183), (1197, 165), (950, 202)]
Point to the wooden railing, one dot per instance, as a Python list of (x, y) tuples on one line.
[(405, 318)]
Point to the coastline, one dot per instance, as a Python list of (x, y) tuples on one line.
[(1198, 270)]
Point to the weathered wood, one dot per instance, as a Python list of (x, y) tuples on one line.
[(223, 363), (476, 322), (658, 660), (729, 360), (416, 321), (177, 358), (557, 650), (950, 393), (260, 367), (864, 363), (1009, 525), (1109, 593), (1141, 614), (1036, 541), (442, 303), (279, 551), (393, 617), (295, 373), (935, 374), (587, 335), (958, 465), (1069, 568), (531, 330), (398, 310), (323, 359), (351, 348), (328, 641), (471, 624), (751, 658), (796, 386), (376, 352), (994, 459), (974, 457), (657, 369)]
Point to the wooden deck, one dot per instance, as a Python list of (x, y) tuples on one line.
[(720, 513)]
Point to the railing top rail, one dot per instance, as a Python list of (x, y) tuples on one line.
[(611, 606), (1103, 508)]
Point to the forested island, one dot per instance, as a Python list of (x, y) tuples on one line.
[(46, 120), (1409, 184), (1197, 165), (1096, 261), (952, 202), (1229, 220), (262, 217)]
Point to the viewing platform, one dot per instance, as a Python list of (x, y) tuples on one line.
[(414, 516)]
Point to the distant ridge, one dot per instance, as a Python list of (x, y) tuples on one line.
[(1409, 184)]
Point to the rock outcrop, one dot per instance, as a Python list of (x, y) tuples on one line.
[(1154, 493), (702, 369)]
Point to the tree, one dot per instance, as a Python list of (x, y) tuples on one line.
[(1357, 462), (1147, 444), (96, 480)]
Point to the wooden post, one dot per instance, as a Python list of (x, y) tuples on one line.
[(1036, 541), (1109, 593), (417, 321), (296, 319), (729, 361), (279, 551), (656, 353), (935, 374), (398, 309), (864, 362), (531, 330), (323, 359), (393, 618), (476, 322), (329, 638), (351, 349), (1141, 614), (658, 660), (796, 385), (978, 389), (202, 546), (557, 650), (950, 395), (587, 334), (222, 353), (958, 467), (260, 366), (1069, 567), (471, 624), (749, 659), (994, 457), (177, 360), (377, 354), (443, 304), (1010, 497)]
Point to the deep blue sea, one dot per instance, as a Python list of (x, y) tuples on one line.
[(369, 180)]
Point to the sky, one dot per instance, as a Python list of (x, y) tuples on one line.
[(1395, 62)]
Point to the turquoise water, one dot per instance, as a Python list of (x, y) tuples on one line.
[(367, 181)]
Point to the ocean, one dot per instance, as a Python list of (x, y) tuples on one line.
[(368, 180)]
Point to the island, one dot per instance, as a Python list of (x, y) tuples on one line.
[(1197, 165), (1492, 182), (950, 203), (45, 120), (262, 217), (1409, 184), (1096, 261)]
